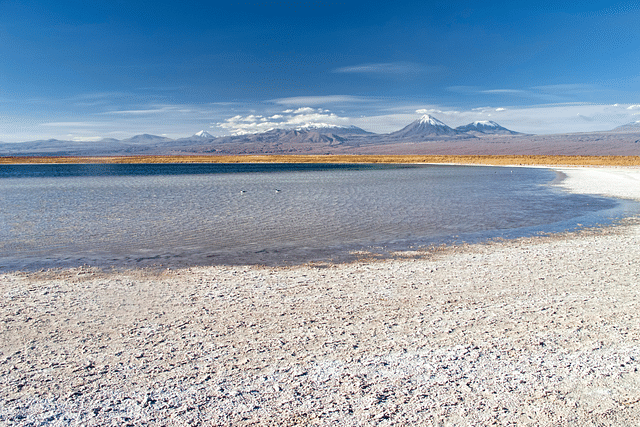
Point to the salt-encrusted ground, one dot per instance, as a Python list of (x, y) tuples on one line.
[(540, 331)]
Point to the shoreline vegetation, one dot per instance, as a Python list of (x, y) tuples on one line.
[(512, 160)]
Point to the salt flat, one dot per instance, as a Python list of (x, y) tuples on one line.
[(605, 181), (537, 331)]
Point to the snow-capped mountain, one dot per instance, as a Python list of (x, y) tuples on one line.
[(425, 126), (203, 134), (487, 127)]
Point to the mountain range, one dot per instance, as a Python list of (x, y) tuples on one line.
[(427, 135)]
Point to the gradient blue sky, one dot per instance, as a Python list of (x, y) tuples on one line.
[(86, 70)]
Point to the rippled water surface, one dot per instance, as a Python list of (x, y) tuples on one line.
[(62, 215)]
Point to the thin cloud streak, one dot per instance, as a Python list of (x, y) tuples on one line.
[(136, 112), (320, 100), (160, 109), (549, 93), (72, 124), (566, 87), (507, 91), (399, 68), (100, 95)]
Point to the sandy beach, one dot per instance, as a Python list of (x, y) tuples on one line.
[(540, 331)]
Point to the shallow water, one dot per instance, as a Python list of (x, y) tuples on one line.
[(174, 215)]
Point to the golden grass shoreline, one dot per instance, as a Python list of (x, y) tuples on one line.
[(522, 160)]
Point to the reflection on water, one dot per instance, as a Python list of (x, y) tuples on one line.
[(62, 215)]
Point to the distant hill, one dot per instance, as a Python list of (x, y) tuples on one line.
[(145, 138), (55, 147), (629, 127), (485, 127), (334, 129)]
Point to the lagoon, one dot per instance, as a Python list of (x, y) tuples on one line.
[(172, 215)]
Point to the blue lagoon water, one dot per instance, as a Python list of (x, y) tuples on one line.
[(201, 214)]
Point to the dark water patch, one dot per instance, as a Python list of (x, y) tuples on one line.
[(159, 169)]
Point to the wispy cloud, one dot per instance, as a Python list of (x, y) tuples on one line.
[(136, 112), (464, 89), (519, 93), (72, 124), (99, 95), (225, 104), (320, 100), (160, 109), (507, 91), (564, 88), (163, 88), (94, 99), (389, 68), (548, 93)]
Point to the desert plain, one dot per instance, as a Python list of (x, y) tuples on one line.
[(539, 331)]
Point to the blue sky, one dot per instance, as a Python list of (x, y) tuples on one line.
[(87, 70)]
